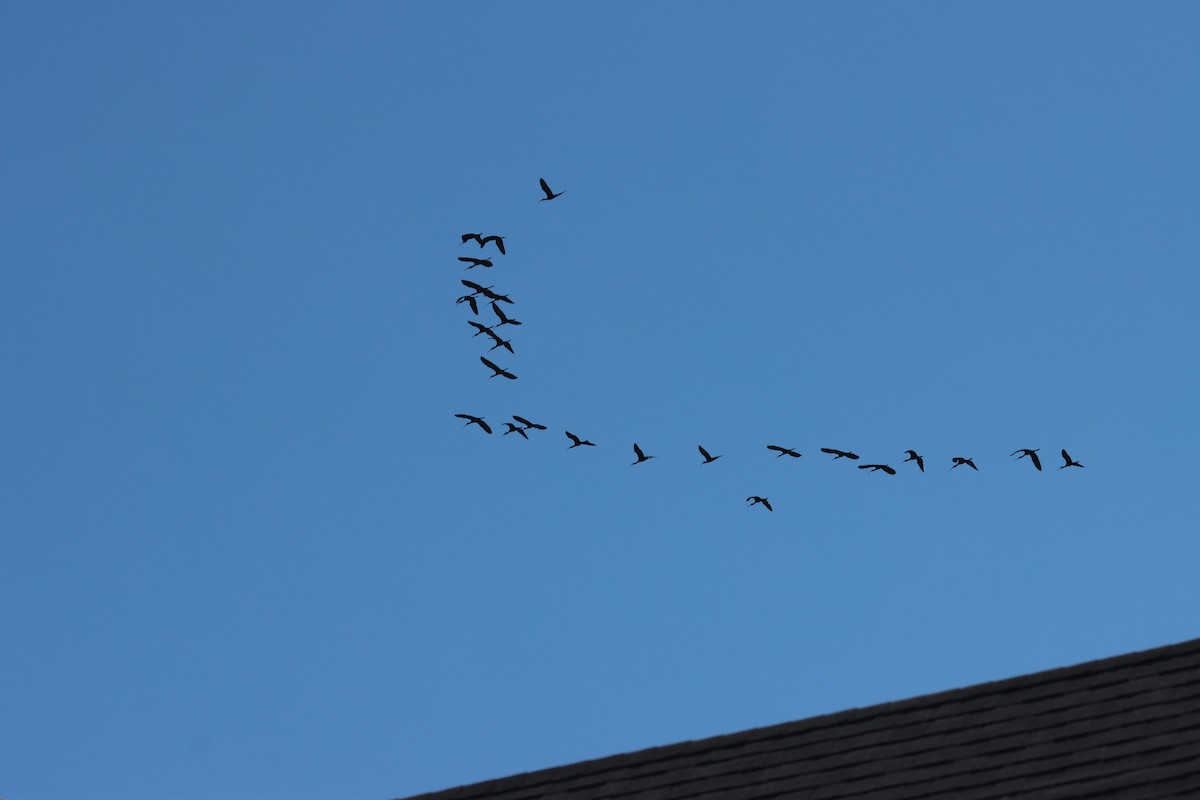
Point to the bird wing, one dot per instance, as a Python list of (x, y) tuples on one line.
[(507, 374), (776, 447), (887, 469), (499, 312), (466, 416), (522, 432), (473, 304), (753, 499), (866, 466), (851, 456), (573, 437), (468, 260), (831, 451), (508, 346), (473, 285), (767, 503), (639, 452), (921, 463), (1066, 457), (490, 365), (1037, 462), (482, 328), (545, 187), (524, 421), (704, 453), (466, 237), (484, 425)]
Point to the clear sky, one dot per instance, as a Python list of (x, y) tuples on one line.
[(249, 552)]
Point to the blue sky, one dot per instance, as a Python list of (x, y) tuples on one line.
[(247, 549)]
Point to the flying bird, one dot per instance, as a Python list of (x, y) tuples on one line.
[(496, 370), (503, 319), (469, 298), (481, 328), (529, 424), (507, 345), (466, 237), (1069, 463), (838, 453), (877, 468), (1033, 456), (912, 456), (959, 461), (475, 288), (514, 429), (546, 188), (499, 240), (783, 451), (579, 441), (755, 499), (707, 458), (472, 263), (474, 421), (640, 455)]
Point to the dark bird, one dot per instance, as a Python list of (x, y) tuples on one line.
[(507, 345), (529, 424), (783, 451), (475, 262), (468, 298), (959, 461), (496, 370), (912, 456), (640, 455), (466, 237), (1033, 456), (476, 288), (546, 188), (838, 453), (877, 467), (514, 429), (755, 499), (578, 442), (474, 421), (499, 240), (707, 458), (503, 319), (1069, 463), (481, 328)]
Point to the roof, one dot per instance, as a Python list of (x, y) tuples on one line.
[(1122, 728)]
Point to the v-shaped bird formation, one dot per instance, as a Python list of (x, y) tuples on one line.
[(521, 426)]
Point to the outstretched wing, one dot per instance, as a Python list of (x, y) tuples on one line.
[(546, 188), (887, 469), (1037, 462), (704, 453), (483, 425), (499, 312), (526, 422), (767, 503), (490, 365), (921, 463), (639, 452), (475, 286), (573, 437), (852, 456), (831, 451), (1066, 457)]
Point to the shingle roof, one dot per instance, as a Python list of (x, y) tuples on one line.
[(1123, 728)]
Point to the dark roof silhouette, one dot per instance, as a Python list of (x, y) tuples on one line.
[(1122, 728)]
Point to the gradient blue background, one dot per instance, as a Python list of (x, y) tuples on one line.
[(247, 550)]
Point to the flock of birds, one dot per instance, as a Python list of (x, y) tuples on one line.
[(521, 425)]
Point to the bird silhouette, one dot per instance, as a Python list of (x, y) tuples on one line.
[(1033, 456), (839, 453), (877, 468), (912, 456), (707, 458), (640, 455), (466, 237), (514, 429), (499, 240), (503, 319), (476, 288), (546, 188), (579, 442), (1069, 463), (481, 328), (497, 370), (529, 424), (474, 421), (959, 461), (472, 263), (755, 499), (469, 298), (507, 345), (783, 451)]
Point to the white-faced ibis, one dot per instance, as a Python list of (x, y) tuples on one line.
[(578, 442), (474, 421), (640, 455), (839, 453), (1069, 463), (877, 468), (546, 188), (472, 263), (707, 458), (1033, 456), (912, 456), (497, 370), (515, 429), (755, 499), (529, 424), (959, 461), (783, 451), (499, 240), (503, 319)]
